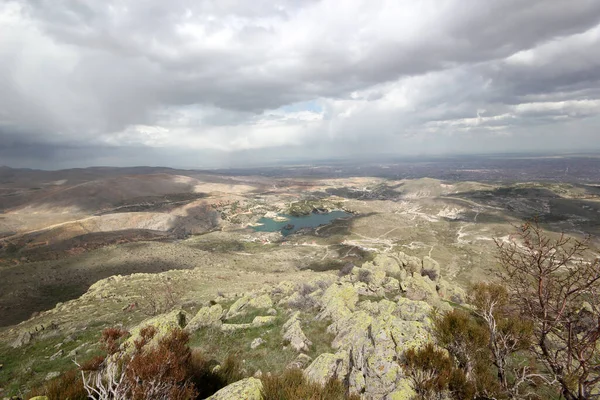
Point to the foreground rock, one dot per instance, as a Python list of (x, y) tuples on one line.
[(247, 389), (249, 302), (257, 322), (206, 316), (163, 324), (292, 333)]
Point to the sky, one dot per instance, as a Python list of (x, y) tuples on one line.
[(199, 83)]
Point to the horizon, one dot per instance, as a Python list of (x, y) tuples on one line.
[(387, 159)]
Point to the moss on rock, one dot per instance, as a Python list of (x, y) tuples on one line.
[(247, 389)]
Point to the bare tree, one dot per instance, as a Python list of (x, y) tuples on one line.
[(557, 289), (508, 334)]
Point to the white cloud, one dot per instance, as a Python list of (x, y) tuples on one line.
[(231, 75)]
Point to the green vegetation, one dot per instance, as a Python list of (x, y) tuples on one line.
[(224, 246), (171, 369), (273, 355), (534, 335), (29, 365)]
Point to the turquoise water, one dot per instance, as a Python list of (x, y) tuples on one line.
[(312, 220)]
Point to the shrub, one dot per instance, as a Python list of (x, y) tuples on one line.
[(145, 371), (364, 275), (208, 376), (432, 274), (160, 300), (153, 369), (462, 336), (111, 339), (346, 269), (68, 386), (292, 385), (434, 376), (160, 371)]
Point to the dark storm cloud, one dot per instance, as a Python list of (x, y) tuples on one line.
[(216, 74)]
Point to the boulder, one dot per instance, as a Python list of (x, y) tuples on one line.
[(419, 287), (256, 342), (23, 339), (247, 389), (300, 362), (327, 366), (410, 263), (385, 263), (391, 285), (403, 391), (257, 322), (285, 288), (163, 323), (206, 316), (451, 292), (411, 310), (242, 305), (292, 333), (338, 301)]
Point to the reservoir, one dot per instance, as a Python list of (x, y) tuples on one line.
[(293, 224)]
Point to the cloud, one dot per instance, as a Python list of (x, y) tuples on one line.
[(312, 77)]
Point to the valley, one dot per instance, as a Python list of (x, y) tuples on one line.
[(88, 249)]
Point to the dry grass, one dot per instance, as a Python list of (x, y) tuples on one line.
[(292, 385)]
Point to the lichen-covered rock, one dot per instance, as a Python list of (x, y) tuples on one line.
[(247, 389), (285, 288), (256, 342), (206, 316), (410, 263), (403, 391), (419, 287), (23, 339), (385, 263), (242, 305), (391, 285), (452, 292), (338, 301), (39, 398), (300, 362), (413, 310), (257, 322), (163, 324), (327, 366), (377, 278), (374, 337), (292, 333)]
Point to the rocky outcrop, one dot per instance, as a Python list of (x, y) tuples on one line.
[(249, 302), (327, 366), (300, 362), (371, 335), (256, 343), (23, 339), (293, 334), (339, 300), (206, 316), (163, 324), (247, 389), (418, 287), (431, 268), (257, 322)]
